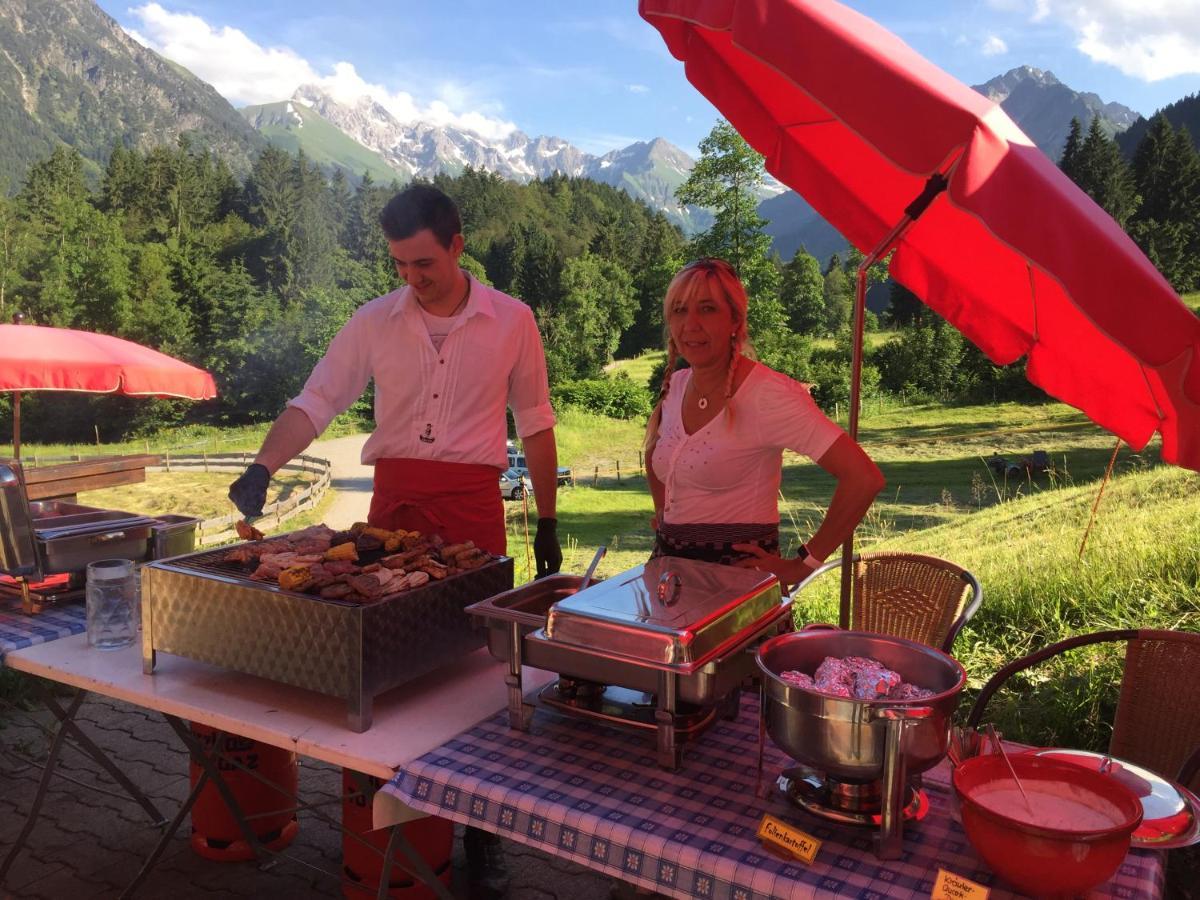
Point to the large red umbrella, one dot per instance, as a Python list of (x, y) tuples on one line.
[(1009, 251), (985, 229), (36, 358)]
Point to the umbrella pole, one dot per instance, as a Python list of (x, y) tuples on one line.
[(16, 424), (934, 186)]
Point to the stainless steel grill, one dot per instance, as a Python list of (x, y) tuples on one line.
[(202, 607)]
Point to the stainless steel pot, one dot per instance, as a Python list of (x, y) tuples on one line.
[(846, 738)]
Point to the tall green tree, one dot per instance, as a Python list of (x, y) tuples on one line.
[(584, 328), (16, 247), (838, 295), (802, 293), (1068, 161), (726, 179), (539, 268), (1166, 171), (1103, 174)]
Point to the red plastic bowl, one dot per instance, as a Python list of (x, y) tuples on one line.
[(1046, 859)]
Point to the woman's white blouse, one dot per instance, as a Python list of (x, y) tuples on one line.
[(730, 472)]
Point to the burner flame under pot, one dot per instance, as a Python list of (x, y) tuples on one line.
[(843, 737)]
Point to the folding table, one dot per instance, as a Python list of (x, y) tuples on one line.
[(409, 720)]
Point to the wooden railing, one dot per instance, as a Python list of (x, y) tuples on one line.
[(220, 529)]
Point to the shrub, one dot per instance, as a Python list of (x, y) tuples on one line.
[(618, 398)]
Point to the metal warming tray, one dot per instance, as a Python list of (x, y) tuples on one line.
[(51, 537), (204, 608), (673, 628)]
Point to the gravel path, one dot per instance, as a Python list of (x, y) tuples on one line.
[(351, 479)]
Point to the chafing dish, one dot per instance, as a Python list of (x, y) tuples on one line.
[(674, 628), (199, 606), (856, 742), (52, 537)]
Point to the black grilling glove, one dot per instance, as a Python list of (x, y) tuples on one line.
[(249, 492), (546, 552)]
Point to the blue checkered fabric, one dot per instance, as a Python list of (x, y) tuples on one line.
[(18, 630), (594, 795)]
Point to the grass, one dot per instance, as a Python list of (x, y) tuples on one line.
[(872, 340), (184, 439), (187, 492), (640, 367)]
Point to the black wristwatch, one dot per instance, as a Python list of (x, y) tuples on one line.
[(802, 553)]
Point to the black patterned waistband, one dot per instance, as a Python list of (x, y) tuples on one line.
[(713, 541)]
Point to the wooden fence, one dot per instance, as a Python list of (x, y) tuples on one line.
[(221, 529)]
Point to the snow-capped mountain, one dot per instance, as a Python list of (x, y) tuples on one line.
[(422, 150), (647, 170)]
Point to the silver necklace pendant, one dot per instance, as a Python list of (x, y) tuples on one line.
[(702, 403)]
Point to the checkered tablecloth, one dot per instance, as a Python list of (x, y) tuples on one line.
[(594, 795), (18, 630)]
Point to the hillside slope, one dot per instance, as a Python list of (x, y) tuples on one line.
[(70, 74)]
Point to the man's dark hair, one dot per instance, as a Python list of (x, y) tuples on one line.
[(417, 207)]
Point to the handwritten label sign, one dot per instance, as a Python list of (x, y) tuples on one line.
[(792, 841), (954, 887)]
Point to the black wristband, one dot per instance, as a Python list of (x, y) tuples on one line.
[(803, 553), (548, 522)]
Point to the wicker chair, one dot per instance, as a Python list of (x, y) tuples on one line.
[(1157, 723), (921, 598)]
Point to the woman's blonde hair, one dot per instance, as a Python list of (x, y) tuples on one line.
[(713, 277)]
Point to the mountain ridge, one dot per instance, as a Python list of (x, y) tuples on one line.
[(1043, 107), (69, 73)]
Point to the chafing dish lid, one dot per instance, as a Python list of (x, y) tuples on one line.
[(669, 610)]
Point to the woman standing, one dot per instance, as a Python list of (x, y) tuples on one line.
[(715, 442)]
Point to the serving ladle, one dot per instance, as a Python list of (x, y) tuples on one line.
[(995, 738), (591, 569)]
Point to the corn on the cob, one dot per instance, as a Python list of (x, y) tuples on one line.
[(344, 551), (295, 578)]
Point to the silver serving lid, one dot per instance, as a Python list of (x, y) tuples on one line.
[(669, 610), (18, 552)]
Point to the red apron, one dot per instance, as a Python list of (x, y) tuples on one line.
[(459, 501)]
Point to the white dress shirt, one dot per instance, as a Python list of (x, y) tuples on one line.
[(445, 404), (730, 472)]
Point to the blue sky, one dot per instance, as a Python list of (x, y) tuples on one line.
[(593, 72)]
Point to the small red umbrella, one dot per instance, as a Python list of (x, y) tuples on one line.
[(37, 358), (896, 154)]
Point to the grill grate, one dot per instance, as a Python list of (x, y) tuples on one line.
[(212, 562)]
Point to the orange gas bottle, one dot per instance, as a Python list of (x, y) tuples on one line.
[(270, 811), (362, 866)]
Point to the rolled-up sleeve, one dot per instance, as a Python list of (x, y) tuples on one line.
[(339, 378), (528, 389)]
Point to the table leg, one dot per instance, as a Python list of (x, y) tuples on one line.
[(68, 724), (165, 838), (206, 762), (420, 868), (43, 785), (670, 752)]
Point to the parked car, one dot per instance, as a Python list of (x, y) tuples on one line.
[(516, 460), (514, 484)]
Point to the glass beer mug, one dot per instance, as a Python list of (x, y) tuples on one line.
[(112, 607)]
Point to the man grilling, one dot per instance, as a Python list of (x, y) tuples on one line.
[(448, 354)]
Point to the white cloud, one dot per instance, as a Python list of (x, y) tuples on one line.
[(637, 88), (137, 36), (245, 72), (1146, 39), (993, 46)]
